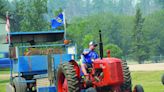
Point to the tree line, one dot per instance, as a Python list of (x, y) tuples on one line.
[(139, 37), (127, 32)]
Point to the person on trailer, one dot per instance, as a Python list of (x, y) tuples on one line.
[(88, 56)]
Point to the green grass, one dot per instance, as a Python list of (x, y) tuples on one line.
[(5, 80), (3, 85), (5, 71), (151, 81)]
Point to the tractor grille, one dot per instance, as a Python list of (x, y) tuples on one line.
[(116, 71)]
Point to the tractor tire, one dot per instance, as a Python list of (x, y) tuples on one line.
[(138, 88), (19, 84), (91, 89), (67, 80), (162, 79), (127, 85)]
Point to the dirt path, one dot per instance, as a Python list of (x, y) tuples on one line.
[(147, 67), (5, 76)]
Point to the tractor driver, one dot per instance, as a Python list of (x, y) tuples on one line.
[(87, 57)]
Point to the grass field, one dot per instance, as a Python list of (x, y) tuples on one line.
[(151, 81), (4, 81), (5, 71), (3, 85)]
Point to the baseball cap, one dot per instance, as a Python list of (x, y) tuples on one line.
[(93, 43)]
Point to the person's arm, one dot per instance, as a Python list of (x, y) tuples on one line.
[(83, 68), (83, 65)]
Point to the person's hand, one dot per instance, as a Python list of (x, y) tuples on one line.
[(92, 60), (85, 53)]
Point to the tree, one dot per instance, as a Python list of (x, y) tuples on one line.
[(154, 32), (160, 2), (33, 15), (7, 6), (115, 51), (139, 49), (3, 9), (25, 15), (86, 29), (125, 7), (120, 30)]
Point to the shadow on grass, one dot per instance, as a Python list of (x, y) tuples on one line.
[(4, 81)]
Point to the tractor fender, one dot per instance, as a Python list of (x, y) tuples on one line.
[(76, 67)]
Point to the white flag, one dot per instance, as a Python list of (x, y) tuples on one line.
[(7, 24)]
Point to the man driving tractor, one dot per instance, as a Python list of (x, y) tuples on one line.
[(87, 57)]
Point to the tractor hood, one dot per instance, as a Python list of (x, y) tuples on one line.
[(112, 71)]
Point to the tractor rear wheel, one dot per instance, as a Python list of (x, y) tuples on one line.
[(67, 80), (138, 88), (127, 85)]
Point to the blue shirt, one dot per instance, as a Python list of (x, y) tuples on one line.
[(89, 56)]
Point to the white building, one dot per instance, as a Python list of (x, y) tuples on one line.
[(3, 33)]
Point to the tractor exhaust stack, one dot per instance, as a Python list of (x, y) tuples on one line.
[(100, 45)]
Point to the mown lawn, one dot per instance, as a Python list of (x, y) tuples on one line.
[(151, 81), (5, 71), (3, 85), (3, 80)]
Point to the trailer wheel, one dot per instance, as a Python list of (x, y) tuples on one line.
[(162, 79), (138, 88), (19, 84), (67, 79), (127, 85)]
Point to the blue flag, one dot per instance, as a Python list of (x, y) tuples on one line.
[(58, 21)]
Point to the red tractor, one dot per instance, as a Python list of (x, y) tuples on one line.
[(106, 75)]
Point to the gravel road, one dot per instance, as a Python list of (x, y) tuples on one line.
[(147, 67)]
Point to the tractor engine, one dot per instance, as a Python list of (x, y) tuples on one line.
[(107, 71)]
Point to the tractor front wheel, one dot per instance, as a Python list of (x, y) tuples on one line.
[(138, 88), (67, 79), (162, 79)]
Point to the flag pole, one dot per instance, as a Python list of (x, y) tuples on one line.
[(9, 42), (64, 25)]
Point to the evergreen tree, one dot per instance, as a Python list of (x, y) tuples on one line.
[(139, 48), (33, 15), (3, 8)]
